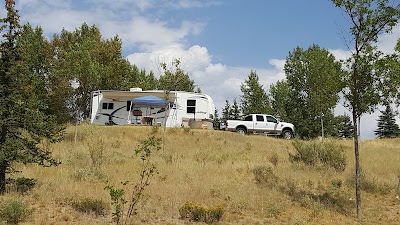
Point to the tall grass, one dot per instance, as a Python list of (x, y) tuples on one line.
[(251, 177)]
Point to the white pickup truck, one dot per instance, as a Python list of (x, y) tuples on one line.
[(261, 124)]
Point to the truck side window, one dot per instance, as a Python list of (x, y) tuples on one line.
[(271, 119), (248, 118), (260, 118)]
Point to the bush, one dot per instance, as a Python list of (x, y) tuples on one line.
[(200, 213), (21, 184), (265, 175), (314, 153), (14, 211), (87, 205)]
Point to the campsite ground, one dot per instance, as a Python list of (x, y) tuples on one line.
[(210, 169)]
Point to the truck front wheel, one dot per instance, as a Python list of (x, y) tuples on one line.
[(287, 134), (241, 130)]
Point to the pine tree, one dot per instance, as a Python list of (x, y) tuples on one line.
[(226, 111), (234, 111), (26, 127), (387, 126), (344, 126), (254, 98), (216, 120)]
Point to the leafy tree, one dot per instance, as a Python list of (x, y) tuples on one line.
[(280, 99), (234, 112), (82, 58), (363, 90), (253, 98), (26, 127), (314, 80), (175, 79), (387, 126)]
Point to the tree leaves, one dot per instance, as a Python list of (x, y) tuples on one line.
[(253, 98)]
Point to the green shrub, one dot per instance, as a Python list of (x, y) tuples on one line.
[(264, 175), (14, 211), (87, 205), (314, 153), (201, 213), (21, 184)]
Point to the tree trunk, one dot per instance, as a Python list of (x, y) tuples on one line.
[(357, 161), (3, 168)]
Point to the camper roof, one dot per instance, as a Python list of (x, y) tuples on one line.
[(128, 95)]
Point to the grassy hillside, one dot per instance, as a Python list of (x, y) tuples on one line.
[(251, 177)]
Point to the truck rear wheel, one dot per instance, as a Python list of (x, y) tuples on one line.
[(287, 134), (241, 130)]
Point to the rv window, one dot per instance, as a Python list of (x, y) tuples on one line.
[(108, 105), (191, 106)]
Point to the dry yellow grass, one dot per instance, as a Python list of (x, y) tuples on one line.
[(210, 168)]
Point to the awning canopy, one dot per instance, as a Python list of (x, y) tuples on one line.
[(151, 101)]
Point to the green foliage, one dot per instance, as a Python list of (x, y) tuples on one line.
[(234, 112), (343, 127), (314, 153), (90, 63), (265, 176), (226, 112), (311, 92), (200, 213), (387, 126), (253, 98), (27, 127), (175, 78), (117, 201), (280, 99), (14, 211), (216, 120), (88, 205), (21, 184)]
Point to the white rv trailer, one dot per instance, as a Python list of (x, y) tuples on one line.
[(109, 107)]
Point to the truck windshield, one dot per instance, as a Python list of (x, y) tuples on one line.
[(271, 119)]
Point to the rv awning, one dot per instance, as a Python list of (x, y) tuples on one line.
[(151, 101)]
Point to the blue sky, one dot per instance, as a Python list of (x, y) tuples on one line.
[(218, 41)]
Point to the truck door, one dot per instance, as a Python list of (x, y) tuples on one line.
[(260, 124), (271, 124)]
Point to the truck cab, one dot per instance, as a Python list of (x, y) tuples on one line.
[(261, 124)]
